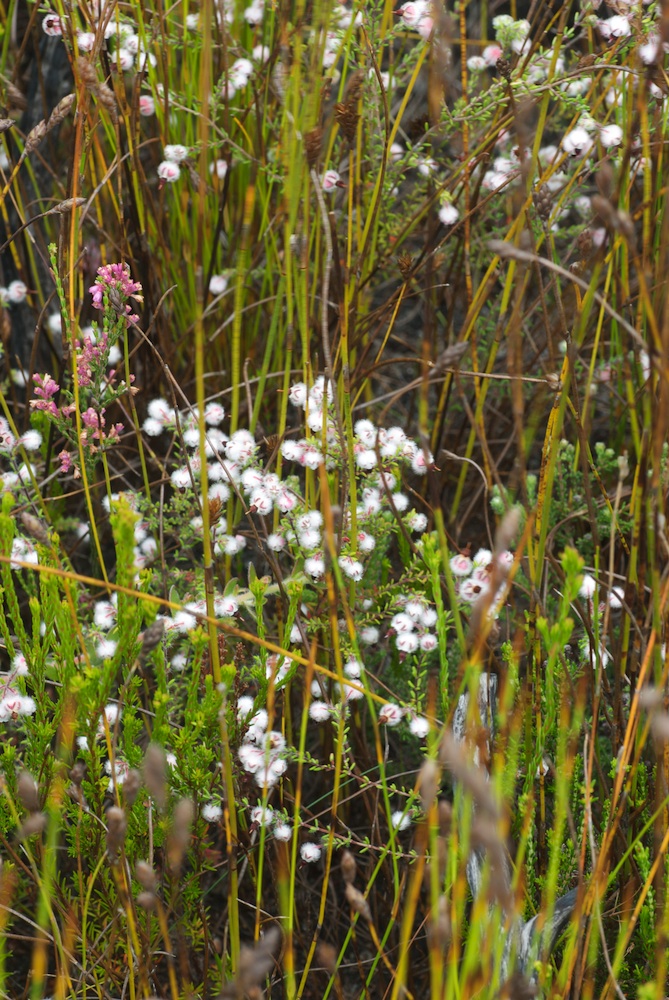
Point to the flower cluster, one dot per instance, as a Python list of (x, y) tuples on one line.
[(411, 625), (114, 281), (271, 820), (417, 15), (262, 753), (14, 704), (124, 46), (474, 575)]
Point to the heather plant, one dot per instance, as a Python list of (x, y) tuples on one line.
[(332, 518)]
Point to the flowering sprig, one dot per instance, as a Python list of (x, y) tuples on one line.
[(114, 285)]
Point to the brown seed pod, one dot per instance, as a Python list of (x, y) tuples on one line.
[(405, 264), (34, 527), (146, 876), (358, 903), (117, 826), (348, 867), (155, 774), (313, 144)]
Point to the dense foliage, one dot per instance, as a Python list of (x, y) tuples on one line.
[(333, 475)]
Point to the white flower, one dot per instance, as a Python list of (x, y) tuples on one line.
[(52, 26), (211, 811), (588, 586), (414, 609), (366, 543), (371, 501), (407, 642), (244, 707), (319, 711), (160, 410), (330, 180), (369, 635), (254, 13), (261, 501), (262, 815), (421, 462), (419, 726), (16, 292), (428, 642), (182, 622), (85, 40), (118, 773), (240, 447), (147, 106), (220, 168), (179, 662), (19, 665), (106, 648), (169, 171), (23, 551), (175, 153), (54, 323), (615, 27), (476, 63), (31, 440), (310, 853), (461, 565), (276, 542), (448, 214), (314, 567), (648, 51), (353, 669), (310, 539), (233, 544), (610, 135), (402, 622), (297, 394), (122, 59), (226, 606), (218, 284), (577, 142), (366, 432), (492, 54), (287, 501), (365, 459), (252, 758), (14, 705), (616, 598), (352, 693), (351, 567), (428, 618), (283, 831), (152, 427), (470, 590), (400, 820), (391, 714), (259, 721)]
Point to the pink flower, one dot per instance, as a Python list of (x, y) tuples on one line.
[(52, 26), (115, 279), (45, 388), (147, 106), (331, 180), (310, 853), (169, 171), (492, 54), (391, 714), (461, 565)]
